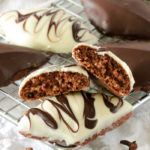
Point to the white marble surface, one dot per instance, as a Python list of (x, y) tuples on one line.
[(11, 140)]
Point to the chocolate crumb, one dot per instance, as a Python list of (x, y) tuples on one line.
[(53, 84), (132, 145), (29, 148), (111, 74)]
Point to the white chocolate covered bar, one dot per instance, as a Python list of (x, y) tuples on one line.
[(51, 29), (53, 81), (74, 119)]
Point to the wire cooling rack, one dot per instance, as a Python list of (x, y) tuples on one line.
[(12, 108)]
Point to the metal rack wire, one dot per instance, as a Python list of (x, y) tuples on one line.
[(12, 108)]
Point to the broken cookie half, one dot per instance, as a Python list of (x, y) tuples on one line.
[(53, 81), (110, 70)]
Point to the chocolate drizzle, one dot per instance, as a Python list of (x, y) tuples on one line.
[(89, 111), (113, 108), (76, 25), (76, 28), (46, 117), (65, 107), (22, 17)]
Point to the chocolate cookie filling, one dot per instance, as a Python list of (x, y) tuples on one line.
[(53, 83), (137, 56), (110, 72)]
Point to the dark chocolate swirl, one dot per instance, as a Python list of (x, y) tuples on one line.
[(65, 107), (62, 20), (76, 28), (89, 111), (64, 145), (113, 108), (46, 117), (62, 105)]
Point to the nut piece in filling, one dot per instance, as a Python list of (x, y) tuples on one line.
[(53, 81), (112, 72)]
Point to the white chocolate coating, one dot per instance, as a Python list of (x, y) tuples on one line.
[(117, 59), (103, 115), (53, 68), (45, 29)]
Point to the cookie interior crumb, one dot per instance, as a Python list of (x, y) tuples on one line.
[(105, 68), (53, 84)]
